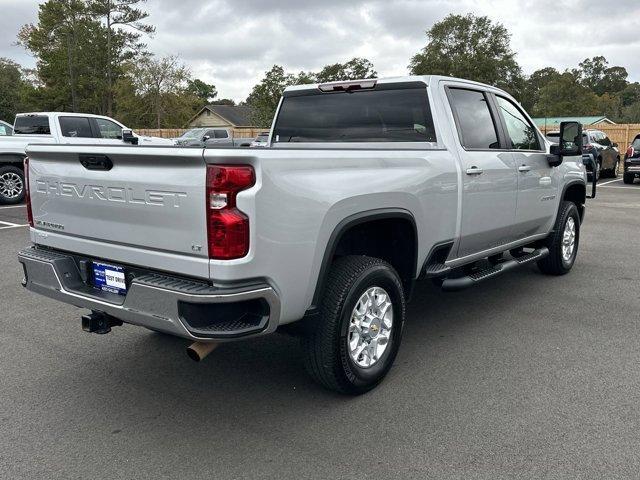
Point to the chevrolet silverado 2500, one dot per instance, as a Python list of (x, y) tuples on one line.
[(54, 127), (367, 186)]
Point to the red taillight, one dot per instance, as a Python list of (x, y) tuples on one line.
[(27, 196), (227, 227), (630, 152)]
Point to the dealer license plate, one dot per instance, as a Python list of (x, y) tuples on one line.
[(109, 278)]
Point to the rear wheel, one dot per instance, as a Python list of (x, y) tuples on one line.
[(615, 171), (563, 242), (11, 185), (628, 178), (352, 346)]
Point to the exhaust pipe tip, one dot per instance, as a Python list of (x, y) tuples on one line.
[(198, 351)]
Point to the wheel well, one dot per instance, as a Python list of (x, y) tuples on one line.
[(389, 235), (576, 193), (391, 239), (12, 159)]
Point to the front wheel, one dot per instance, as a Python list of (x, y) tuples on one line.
[(563, 242), (352, 346), (11, 185)]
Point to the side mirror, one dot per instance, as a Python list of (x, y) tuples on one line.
[(570, 143), (206, 137), (129, 137), (614, 145)]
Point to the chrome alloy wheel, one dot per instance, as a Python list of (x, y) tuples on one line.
[(569, 240), (370, 327), (11, 185)]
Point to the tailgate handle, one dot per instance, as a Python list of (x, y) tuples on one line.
[(96, 162)]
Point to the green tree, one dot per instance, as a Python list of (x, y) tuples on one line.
[(154, 93), (596, 75), (204, 91), (11, 89), (265, 96), (124, 29), (67, 45), (354, 69), (470, 47), (223, 101), (565, 96), (533, 84)]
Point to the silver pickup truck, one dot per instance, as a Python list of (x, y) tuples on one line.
[(367, 187)]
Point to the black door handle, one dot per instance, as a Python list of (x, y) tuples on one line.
[(96, 162)]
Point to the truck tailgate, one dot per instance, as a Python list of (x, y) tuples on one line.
[(150, 198)]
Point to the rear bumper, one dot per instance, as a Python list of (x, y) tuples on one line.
[(179, 307)]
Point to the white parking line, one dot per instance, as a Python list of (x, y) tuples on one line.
[(13, 226), (9, 224), (13, 206), (611, 186), (610, 181)]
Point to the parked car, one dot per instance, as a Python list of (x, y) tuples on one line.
[(6, 129), (604, 151), (55, 127), (262, 140), (196, 137), (632, 161), (360, 194)]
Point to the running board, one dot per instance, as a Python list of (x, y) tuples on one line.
[(454, 284)]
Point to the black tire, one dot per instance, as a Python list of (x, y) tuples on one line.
[(615, 171), (325, 345), (628, 178), (555, 264), (11, 176)]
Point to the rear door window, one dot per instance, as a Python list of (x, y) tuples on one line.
[(475, 123), (32, 125), (76, 127), (385, 114), (521, 131)]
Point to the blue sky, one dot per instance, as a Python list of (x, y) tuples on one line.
[(232, 43)]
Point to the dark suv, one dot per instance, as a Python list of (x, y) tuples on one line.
[(605, 152), (632, 161)]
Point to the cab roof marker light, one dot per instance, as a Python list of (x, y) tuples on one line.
[(347, 86)]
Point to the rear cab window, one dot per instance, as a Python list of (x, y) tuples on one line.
[(75, 127), (32, 125), (386, 113)]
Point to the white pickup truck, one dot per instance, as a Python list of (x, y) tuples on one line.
[(54, 127)]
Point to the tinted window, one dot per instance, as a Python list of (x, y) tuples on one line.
[(383, 115), (221, 134), (109, 129), (521, 132), (32, 125), (604, 140), (76, 127), (636, 143), (474, 119)]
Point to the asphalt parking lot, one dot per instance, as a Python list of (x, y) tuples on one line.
[(526, 376)]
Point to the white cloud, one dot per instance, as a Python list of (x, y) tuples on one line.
[(232, 43)]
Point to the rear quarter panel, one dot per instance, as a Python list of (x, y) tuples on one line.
[(303, 194)]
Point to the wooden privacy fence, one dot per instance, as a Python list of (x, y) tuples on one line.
[(176, 132), (621, 133)]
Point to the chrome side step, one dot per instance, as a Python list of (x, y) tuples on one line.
[(460, 283)]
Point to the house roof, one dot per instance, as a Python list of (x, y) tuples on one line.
[(555, 121), (236, 115)]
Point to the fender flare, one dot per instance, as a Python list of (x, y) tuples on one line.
[(343, 226)]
